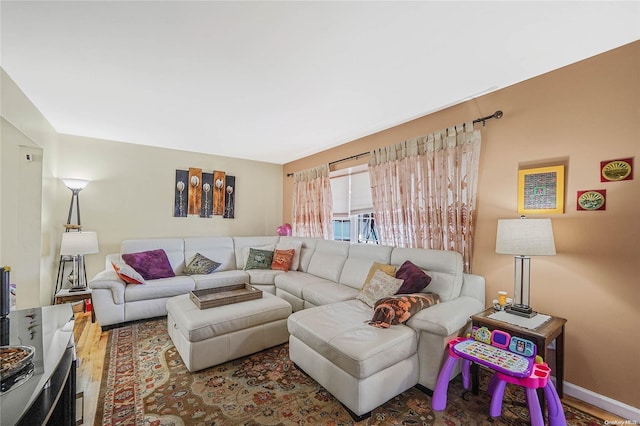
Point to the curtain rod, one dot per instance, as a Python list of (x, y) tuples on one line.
[(497, 115), (353, 157)]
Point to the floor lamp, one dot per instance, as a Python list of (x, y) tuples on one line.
[(523, 238), (75, 185)]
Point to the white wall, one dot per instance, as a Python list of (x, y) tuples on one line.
[(132, 189), (31, 254)]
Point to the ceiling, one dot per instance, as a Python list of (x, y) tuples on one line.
[(277, 81)]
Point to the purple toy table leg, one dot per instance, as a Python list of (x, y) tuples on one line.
[(439, 401), (535, 413), (497, 393), (465, 373), (492, 384), (554, 406)]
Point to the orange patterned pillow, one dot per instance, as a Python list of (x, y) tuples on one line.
[(282, 259)]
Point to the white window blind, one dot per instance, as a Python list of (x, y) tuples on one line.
[(340, 195), (351, 193), (360, 193)]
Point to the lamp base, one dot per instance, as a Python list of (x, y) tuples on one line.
[(77, 288), (521, 311)]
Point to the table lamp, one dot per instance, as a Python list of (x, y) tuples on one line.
[(523, 238), (76, 245)]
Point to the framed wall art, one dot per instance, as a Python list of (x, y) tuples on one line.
[(616, 170), (541, 190), (181, 195), (594, 199)]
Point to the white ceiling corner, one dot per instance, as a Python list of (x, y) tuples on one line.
[(277, 81)]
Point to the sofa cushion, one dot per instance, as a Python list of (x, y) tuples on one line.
[(282, 259), (415, 279), (328, 259), (201, 265), (242, 245), (340, 333), (220, 278), (381, 285), (151, 264), (259, 259), (219, 249), (327, 292), (160, 288), (444, 268), (359, 261), (399, 308), (294, 282), (263, 276), (127, 273)]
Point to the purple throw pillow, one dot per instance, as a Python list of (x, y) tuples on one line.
[(415, 279), (152, 264)]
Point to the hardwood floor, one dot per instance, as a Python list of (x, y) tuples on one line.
[(91, 345)]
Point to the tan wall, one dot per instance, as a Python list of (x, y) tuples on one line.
[(580, 115), (131, 193)]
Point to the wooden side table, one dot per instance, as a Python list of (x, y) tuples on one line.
[(542, 336), (66, 296)]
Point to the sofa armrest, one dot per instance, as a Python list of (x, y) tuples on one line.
[(473, 286), (108, 279), (446, 318), (112, 257)]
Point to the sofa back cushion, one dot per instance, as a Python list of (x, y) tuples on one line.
[(243, 244), (443, 266), (173, 247), (359, 261), (328, 259), (306, 251), (218, 249)]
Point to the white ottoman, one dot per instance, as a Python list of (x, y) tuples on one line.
[(207, 337), (362, 366)]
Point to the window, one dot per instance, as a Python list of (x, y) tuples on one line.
[(352, 206), (342, 229)]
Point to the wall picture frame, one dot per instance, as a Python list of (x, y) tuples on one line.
[(541, 190)]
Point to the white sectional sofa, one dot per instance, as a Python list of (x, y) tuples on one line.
[(363, 366)]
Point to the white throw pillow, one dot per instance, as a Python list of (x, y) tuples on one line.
[(295, 245), (381, 285)]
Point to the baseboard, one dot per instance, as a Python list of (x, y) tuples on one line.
[(611, 405)]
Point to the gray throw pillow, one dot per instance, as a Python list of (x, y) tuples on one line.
[(201, 265)]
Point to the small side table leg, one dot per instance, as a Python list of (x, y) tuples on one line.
[(475, 381), (439, 400)]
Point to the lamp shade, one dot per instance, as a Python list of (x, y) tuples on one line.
[(525, 237), (75, 243), (77, 184)]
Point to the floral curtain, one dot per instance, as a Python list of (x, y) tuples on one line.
[(424, 190), (312, 203)]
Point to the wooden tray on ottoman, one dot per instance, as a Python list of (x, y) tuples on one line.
[(226, 295)]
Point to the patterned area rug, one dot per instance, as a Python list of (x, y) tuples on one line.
[(145, 382)]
